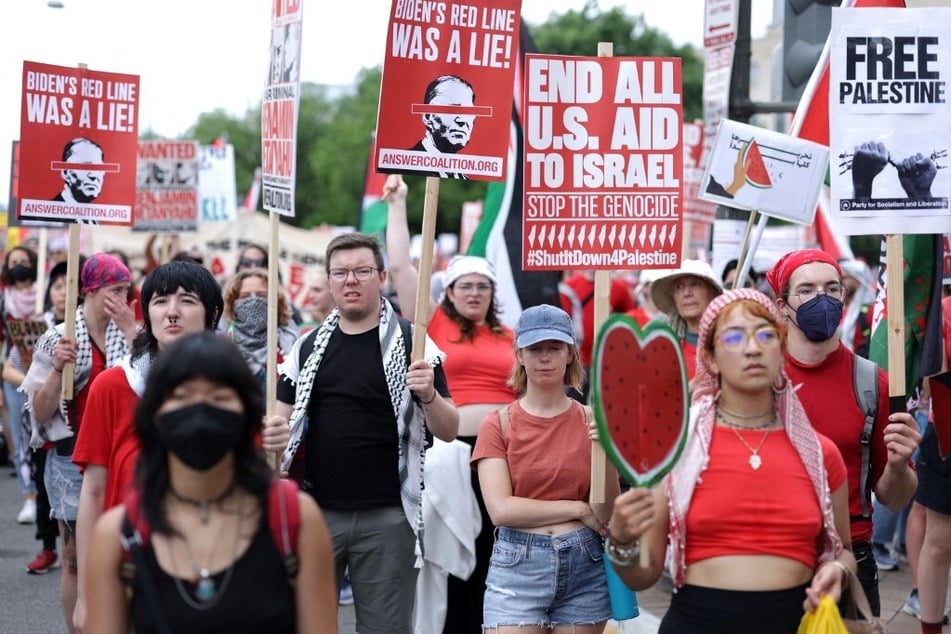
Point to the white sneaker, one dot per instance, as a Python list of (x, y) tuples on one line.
[(27, 513)]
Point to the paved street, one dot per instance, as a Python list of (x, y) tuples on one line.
[(30, 604)]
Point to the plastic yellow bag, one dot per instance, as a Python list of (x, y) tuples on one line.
[(825, 620)]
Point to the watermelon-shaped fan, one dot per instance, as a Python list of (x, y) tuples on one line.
[(756, 173), (639, 394)]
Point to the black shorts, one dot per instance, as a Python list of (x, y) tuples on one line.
[(934, 475)]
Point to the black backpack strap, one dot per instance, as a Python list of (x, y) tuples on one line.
[(865, 384), (133, 544)]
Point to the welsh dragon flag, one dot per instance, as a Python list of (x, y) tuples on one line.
[(498, 238), (373, 211), (922, 273), (811, 122)]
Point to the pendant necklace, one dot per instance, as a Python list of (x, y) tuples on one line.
[(207, 591), (755, 461), (203, 506)]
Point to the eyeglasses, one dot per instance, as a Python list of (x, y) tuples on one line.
[(468, 287), (252, 262), (835, 291), (766, 337), (361, 273)]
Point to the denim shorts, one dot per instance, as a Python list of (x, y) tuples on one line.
[(541, 580), (63, 484)]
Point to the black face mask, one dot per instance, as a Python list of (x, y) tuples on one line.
[(20, 273), (200, 435)]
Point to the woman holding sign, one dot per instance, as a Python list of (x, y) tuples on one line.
[(534, 463), (757, 503)]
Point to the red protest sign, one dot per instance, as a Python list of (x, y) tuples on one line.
[(442, 111), (78, 136), (603, 163), (166, 198)]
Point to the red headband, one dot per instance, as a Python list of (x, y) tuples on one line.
[(778, 276)]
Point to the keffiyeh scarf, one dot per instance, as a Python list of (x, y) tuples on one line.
[(116, 348), (410, 420)]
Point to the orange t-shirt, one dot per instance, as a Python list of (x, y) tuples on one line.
[(548, 458), (477, 371), (772, 511)]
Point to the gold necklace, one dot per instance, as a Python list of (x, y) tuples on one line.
[(755, 461)]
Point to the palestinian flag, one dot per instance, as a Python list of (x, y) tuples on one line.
[(498, 238), (811, 122), (373, 211), (922, 264)]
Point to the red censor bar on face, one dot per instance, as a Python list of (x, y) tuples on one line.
[(56, 166), (445, 109)]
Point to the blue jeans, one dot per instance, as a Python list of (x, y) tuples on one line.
[(542, 580), (888, 526)]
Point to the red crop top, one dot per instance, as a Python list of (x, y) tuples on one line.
[(772, 511)]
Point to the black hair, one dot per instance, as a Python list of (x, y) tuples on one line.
[(167, 279), (200, 355), (58, 271), (5, 276)]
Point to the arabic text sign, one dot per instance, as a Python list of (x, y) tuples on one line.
[(445, 107), (761, 170), (603, 163), (889, 120), (78, 142)]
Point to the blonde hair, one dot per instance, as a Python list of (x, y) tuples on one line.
[(233, 289), (574, 372)]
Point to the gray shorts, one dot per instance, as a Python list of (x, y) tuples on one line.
[(63, 484), (379, 548)]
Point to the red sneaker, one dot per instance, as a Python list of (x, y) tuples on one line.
[(45, 561)]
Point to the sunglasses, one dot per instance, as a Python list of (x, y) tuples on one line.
[(252, 262)]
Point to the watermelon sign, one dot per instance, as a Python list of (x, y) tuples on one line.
[(764, 171), (640, 398), (756, 173)]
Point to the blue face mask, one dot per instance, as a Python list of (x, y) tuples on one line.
[(819, 318)]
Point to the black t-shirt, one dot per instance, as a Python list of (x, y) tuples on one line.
[(351, 456)]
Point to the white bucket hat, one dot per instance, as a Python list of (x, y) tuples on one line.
[(662, 290)]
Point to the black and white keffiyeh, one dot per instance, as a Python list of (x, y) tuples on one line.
[(411, 421), (116, 348)]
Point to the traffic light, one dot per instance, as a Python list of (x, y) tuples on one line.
[(806, 25)]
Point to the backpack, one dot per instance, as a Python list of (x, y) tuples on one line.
[(865, 384), (283, 517)]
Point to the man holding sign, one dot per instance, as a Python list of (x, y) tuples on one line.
[(809, 292)]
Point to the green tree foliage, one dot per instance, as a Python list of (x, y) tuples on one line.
[(334, 128), (578, 33)]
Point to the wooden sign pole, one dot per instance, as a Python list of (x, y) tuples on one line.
[(602, 306), (273, 288), (421, 321), (895, 289)]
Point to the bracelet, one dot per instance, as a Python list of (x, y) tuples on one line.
[(846, 573), (430, 400), (622, 557), (57, 370)]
